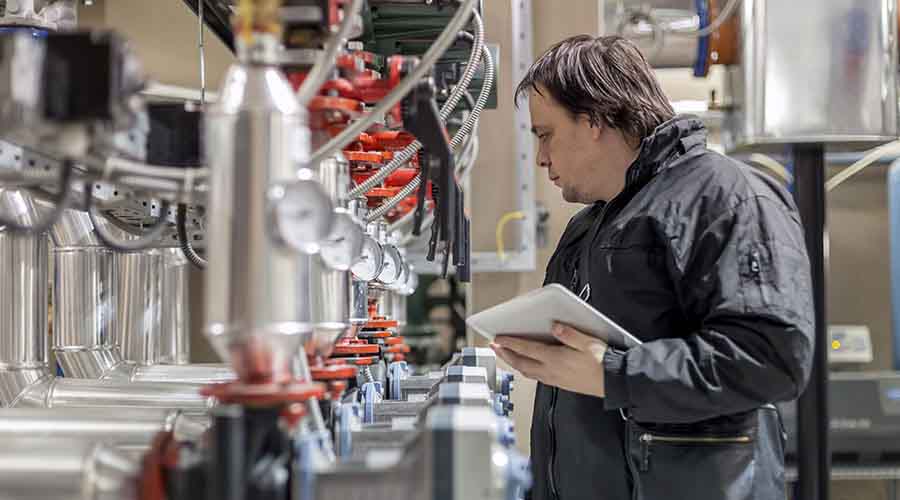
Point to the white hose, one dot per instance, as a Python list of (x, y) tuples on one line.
[(434, 52), (326, 60), (456, 94), (872, 156)]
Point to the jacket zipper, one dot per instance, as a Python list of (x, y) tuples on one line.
[(648, 439), (551, 469)]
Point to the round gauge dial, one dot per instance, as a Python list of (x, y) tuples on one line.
[(411, 284), (400, 284), (302, 215), (393, 262), (344, 245), (370, 261)]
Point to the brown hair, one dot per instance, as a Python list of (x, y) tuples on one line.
[(605, 78)]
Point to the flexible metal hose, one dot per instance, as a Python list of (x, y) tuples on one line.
[(326, 62), (184, 241), (437, 49), (460, 135), (459, 90)]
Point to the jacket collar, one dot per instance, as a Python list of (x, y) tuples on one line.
[(670, 139)]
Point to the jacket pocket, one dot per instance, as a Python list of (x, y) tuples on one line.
[(704, 465)]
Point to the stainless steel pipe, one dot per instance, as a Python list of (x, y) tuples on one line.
[(23, 298), (126, 427), (52, 392), (84, 311), (65, 469), (138, 305), (175, 303)]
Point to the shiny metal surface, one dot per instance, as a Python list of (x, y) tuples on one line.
[(668, 52), (843, 89), (255, 137), (65, 469), (84, 311), (15, 382), (124, 427), (23, 299), (329, 306), (138, 308), (174, 340), (334, 174), (81, 393), (74, 229), (192, 374), (359, 302)]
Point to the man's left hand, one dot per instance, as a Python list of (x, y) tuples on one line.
[(576, 365)]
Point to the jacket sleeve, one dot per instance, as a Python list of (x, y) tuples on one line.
[(743, 279)]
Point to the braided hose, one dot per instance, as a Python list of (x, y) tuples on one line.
[(460, 135), (437, 49), (456, 94)]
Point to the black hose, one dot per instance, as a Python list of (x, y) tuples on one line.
[(149, 237), (60, 202), (184, 241)]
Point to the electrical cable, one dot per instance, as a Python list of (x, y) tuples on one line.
[(462, 87), (326, 60), (60, 202), (498, 232), (184, 241), (147, 238), (437, 49), (458, 137)]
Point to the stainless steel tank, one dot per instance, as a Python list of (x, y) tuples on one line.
[(256, 143), (138, 307), (175, 303)]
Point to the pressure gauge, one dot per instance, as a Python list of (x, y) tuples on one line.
[(370, 261), (400, 284), (411, 284), (344, 245), (301, 215), (393, 262)]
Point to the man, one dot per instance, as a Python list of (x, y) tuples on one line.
[(696, 254)]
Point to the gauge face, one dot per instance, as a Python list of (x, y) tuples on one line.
[(400, 284), (393, 262), (302, 215), (344, 245), (370, 261), (411, 284)]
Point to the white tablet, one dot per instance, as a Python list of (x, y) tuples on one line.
[(532, 316)]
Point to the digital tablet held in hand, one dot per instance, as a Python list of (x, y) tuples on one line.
[(532, 316)]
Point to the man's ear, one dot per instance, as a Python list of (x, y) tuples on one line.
[(597, 130)]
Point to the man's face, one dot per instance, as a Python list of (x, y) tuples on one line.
[(570, 150)]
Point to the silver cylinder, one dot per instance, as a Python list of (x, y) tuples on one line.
[(191, 374), (84, 309), (69, 469), (329, 305), (74, 229), (359, 302), (138, 279), (126, 427), (175, 340), (23, 300), (256, 136), (385, 305), (83, 393), (334, 174), (634, 19)]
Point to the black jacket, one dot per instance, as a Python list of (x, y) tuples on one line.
[(703, 259)]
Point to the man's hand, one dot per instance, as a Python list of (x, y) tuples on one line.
[(575, 366)]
